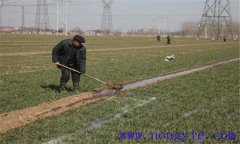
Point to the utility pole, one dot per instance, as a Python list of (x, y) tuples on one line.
[(0, 17), (216, 13), (23, 19), (159, 25), (66, 19), (57, 16)]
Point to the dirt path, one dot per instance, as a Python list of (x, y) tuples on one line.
[(18, 118), (112, 49), (23, 117)]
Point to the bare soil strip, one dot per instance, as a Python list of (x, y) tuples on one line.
[(23, 117), (18, 118), (110, 49), (19, 43)]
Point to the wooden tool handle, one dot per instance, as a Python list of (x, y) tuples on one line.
[(83, 74)]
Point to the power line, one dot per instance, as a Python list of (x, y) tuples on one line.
[(26, 5), (85, 2), (117, 15)]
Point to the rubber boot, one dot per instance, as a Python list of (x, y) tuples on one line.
[(62, 87), (76, 88)]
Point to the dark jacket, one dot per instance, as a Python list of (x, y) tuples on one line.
[(62, 51)]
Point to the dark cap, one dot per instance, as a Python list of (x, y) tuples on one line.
[(79, 38)]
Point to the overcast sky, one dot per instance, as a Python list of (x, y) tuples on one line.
[(127, 14)]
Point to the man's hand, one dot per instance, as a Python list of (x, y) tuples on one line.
[(56, 63)]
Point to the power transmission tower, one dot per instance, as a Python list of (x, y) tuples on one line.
[(160, 20), (1, 6), (42, 18), (216, 17), (107, 15)]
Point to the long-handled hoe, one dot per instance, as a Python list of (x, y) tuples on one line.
[(111, 85)]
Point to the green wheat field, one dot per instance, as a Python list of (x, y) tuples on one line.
[(204, 101)]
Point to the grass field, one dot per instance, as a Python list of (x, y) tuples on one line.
[(205, 101)]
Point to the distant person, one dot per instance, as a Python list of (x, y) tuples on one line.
[(168, 40), (158, 38), (71, 53), (224, 38)]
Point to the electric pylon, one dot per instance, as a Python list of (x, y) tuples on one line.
[(216, 18), (1, 6), (107, 15), (42, 18)]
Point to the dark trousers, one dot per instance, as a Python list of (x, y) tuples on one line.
[(66, 75)]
